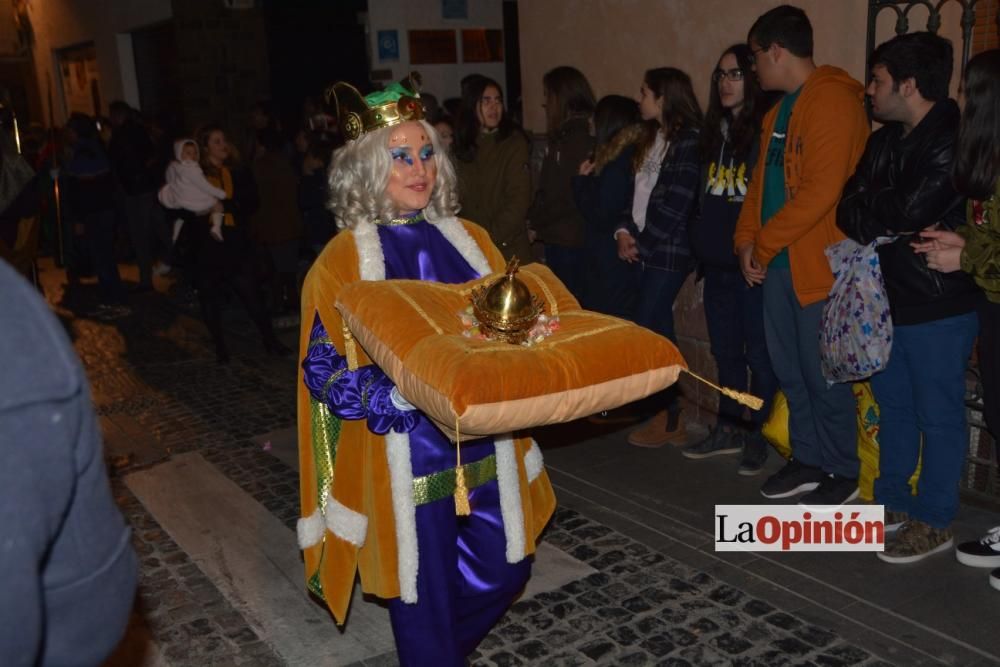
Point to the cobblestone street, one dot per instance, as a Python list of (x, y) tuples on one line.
[(165, 404)]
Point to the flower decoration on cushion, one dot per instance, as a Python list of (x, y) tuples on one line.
[(544, 327)]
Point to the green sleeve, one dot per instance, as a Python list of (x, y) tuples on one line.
[(511, 216), (981, 255)]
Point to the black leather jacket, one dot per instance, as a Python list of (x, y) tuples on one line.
[(901, 186)]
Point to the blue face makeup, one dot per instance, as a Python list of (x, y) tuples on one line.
[(400, 153), (403, 153)]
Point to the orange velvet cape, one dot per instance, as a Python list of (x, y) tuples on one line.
[(351, 461)]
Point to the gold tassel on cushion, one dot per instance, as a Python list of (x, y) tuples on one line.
[(461, 490), (350, 350), (749, 400)]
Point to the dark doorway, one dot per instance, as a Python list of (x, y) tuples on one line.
[(310, 46), (155, 51), (512, 55)]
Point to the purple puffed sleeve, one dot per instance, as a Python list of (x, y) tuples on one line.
[(361, 394)]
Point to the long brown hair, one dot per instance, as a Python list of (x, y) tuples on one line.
[(977, 151), (680, 107), (568, 95), (616, 124), (744, 128), (202, 135)]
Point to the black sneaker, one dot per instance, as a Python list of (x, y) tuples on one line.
[(984, 553), (719, 441), (755, 451), (833, 491), (793, 479)]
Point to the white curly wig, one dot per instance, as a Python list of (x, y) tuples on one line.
[(359, 175)]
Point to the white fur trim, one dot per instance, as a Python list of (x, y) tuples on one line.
[(405, 513), (310, 529), (510, 497), (533, 462), (345, 523), (371, 260), (457, 235)]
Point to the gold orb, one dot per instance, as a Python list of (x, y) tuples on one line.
[(506, 308)]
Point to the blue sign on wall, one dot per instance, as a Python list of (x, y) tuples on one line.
[(388, 45)]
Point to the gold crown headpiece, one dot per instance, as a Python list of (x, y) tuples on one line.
[(358, 114)]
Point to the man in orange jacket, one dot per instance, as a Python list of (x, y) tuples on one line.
[(810, 143)]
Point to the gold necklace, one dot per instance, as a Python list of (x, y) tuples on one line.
[(398, 222)]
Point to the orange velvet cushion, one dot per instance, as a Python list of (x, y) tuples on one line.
[(593, 362)]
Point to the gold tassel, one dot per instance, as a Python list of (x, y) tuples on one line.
[(350, 349), (749, 400), (461, 490)]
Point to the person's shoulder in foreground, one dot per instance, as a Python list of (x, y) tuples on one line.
[(67, 567)]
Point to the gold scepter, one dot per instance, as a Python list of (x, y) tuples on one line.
[(743, 398)]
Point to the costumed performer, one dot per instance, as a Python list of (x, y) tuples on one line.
[(378, 479)]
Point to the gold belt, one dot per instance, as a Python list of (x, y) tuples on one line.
[(438, 485)]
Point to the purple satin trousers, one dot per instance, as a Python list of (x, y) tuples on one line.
[(464, 582)]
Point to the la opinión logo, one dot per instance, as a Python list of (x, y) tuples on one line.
[(793, 528)]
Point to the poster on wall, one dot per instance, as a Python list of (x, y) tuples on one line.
[(482, 46), (388, 45), (80, 80), (455, 9), (432, 47)]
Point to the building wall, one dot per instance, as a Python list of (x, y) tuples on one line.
[(222, 64), (614, 41), (985, 34), (9, 43), (18, 86), (403, 15), (59, 24)]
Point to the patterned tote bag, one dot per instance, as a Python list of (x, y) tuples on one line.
[(855, 336)]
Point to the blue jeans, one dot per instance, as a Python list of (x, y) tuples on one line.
[(922, 391), (822, 421), (734, 313), (658, 290)]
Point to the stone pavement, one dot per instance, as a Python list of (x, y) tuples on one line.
[(205, 472)]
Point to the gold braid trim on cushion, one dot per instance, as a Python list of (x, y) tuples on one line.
[(550, 342), (416, 307), (439, 485), (550, 299)]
